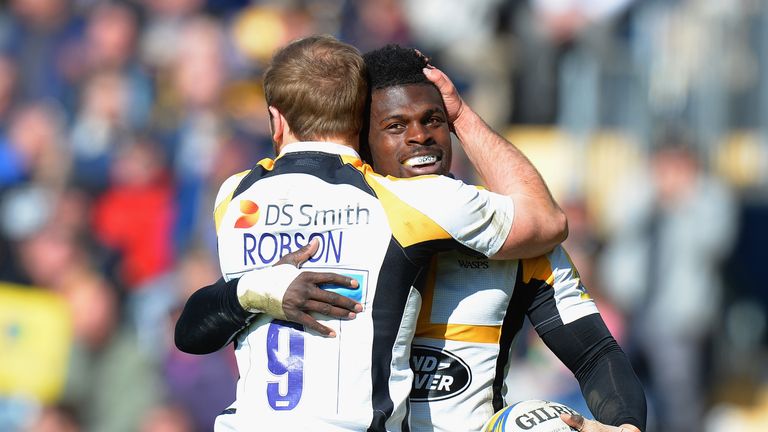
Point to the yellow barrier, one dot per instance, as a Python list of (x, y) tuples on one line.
[(35, 341)]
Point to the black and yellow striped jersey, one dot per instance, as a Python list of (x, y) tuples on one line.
[(472, 310), (379, 230)]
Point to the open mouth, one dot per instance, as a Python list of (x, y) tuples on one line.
[(421, 161)]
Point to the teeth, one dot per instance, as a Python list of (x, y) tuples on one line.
[(421, 160)]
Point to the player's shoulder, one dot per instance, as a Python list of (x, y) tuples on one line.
[(422, 181), (543, 267), (427, 192), (477, 218), (229, 186)]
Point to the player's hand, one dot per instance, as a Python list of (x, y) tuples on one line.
[(583, 425), (304, 294), (454, 104)]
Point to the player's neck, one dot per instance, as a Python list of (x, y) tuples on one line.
[(289, 138)]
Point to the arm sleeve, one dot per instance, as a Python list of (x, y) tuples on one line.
[(211, 318), (476, 218), (609, 384)]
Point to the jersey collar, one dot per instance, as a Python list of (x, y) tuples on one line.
[(320, 146)]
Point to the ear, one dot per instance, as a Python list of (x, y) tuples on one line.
[(276, 124)]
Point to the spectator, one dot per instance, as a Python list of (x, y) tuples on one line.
[(661, 266), (35, 147), (167, 418), (202, 385), (101, 124), (111, 40), (56, 418), (9, 79), (133, 219), (111, 383), (42, 39)]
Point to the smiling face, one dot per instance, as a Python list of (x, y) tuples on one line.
[(409, 132)]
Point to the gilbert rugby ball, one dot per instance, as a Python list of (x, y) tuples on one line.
[(530, 416)]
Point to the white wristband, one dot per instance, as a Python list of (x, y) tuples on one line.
[(262, 291)]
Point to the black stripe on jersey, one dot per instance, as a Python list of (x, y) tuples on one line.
[(422, 280), (255, 174), (421, 253), (389, 303), (522, 298), (405, 426), (328, 167)]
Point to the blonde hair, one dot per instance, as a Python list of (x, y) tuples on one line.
[(319, 85)]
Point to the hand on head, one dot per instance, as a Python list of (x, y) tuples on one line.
[(454, 104)]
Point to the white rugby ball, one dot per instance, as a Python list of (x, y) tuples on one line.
[(530, 416)]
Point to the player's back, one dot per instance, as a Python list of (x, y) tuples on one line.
[(472, 310), (369, 229)]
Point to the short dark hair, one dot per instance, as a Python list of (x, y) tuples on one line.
[(390, 66), (318, 83), (393, 65)]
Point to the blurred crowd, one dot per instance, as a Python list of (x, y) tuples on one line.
[(120, 119)]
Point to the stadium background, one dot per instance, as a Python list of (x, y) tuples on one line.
[(119, 120)]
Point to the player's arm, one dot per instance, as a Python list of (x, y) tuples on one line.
[(539, 223), (211, 318), (609, 384), (213, 315), (570, 325)]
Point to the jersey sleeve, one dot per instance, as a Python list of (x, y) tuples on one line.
[(478, 219), (211, 318), (559, 295)]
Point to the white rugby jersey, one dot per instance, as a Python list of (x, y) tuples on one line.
[(472, 309), (381, 231)]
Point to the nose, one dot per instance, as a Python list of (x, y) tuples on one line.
[(419, 134)]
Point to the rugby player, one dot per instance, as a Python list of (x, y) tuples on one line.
[(378, 232), (474, 307)]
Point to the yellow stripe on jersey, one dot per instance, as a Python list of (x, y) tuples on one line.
[(445, 331), (461, 332), (542, 269), (412, 229), (354, 161), (538, 268), (218, 212), (267, 163)]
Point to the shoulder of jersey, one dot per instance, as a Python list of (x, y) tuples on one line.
[(231, 183), (410, 181), (426, 188)]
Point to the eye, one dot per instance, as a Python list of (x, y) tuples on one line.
[(394, 127), (435, 120)]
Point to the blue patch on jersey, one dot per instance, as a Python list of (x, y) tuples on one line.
[(355, 294)]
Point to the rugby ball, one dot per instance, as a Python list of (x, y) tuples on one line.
[(530, 416)]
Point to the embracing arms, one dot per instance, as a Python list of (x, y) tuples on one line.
[(213, 315), (539, 223)]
